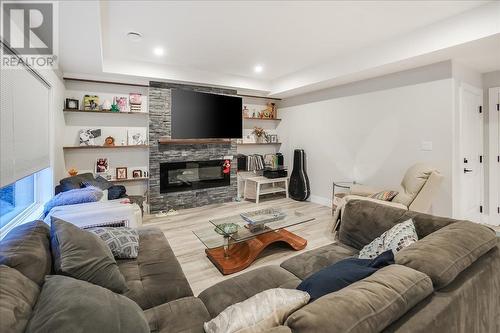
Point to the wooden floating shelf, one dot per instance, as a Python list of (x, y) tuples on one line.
[(255, 118), (129, 179), (257, 143), (104, 147), (103, 111), (165, 141)]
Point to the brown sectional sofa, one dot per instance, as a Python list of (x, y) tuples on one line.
[(448, 282)]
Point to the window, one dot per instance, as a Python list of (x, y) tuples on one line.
[(16, 198)]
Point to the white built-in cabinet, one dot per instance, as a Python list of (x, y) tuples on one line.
[(494, 155)]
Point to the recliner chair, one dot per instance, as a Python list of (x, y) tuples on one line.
[(419, 187)]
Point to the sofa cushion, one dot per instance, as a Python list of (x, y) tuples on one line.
[(156, 276), (239, 288), (307, 263), (342, 274), (363, 221), (445, 253), (27, 249), (368, 305), (183, 315), (69, 305), (18, 295), (262, 311), (84, 256), (74, 197)]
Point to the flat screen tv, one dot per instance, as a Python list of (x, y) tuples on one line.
[(197, 115)]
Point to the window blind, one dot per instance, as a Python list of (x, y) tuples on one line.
[(24, 124)]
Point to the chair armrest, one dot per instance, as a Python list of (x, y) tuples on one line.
[(363, 190), (381, 202)]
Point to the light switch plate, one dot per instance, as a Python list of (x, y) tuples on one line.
[(426, 146)]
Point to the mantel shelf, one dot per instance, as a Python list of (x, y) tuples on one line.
[(255, 118), (103, 111), (104, 147), (166, 141)]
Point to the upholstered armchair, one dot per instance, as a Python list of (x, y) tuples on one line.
[(420, 185)]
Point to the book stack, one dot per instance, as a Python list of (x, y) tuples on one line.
[(255, 163), (135, 101)]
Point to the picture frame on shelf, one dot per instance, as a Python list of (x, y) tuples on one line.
[(90, 102), (88, 136), (121, 173), (273, 138), (137, 136), (122, 103), (72, 104), (137, 174), (101, 165)]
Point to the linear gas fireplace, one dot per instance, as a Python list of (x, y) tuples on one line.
[(194, 175)]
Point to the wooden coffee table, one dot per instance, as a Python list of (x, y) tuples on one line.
[(231, 253)]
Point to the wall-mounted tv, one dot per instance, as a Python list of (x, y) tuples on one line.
[(197, 115)]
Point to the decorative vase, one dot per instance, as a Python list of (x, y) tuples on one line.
[(299, 188)]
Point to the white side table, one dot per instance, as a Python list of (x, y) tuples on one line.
[(254, 189)]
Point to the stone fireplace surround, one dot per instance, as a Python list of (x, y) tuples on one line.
[(160, 126)]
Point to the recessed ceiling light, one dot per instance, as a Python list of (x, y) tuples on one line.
[(158, 51), (258, 68), (134, 36)]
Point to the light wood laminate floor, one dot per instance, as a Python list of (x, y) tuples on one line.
[(200, 272)]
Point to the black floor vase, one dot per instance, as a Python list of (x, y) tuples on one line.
[(299, 188)]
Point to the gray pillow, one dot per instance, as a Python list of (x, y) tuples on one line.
[(84, 256), (122, 241), (27, 249), (69, 305), (18, 295)]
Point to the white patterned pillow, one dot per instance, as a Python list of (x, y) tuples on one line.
[(122, 241), (395, 239), (258, 313)]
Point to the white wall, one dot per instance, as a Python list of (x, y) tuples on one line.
[(374, 137)]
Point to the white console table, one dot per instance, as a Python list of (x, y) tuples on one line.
[(254, 187)]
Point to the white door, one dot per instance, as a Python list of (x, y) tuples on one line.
[(494, 156), (471, 148)]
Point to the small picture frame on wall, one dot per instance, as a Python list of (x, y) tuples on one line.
[(102, 165), (121, 173), (72, 104), (137, 174)]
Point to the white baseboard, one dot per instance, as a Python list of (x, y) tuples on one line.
[(321, 200)]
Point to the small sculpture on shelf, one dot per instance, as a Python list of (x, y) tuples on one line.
[(109, 141), (114, 108), (269, 112), (260, 135), (73, 172), (106, 105)]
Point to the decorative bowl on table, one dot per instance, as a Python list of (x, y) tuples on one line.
[(226, 229)]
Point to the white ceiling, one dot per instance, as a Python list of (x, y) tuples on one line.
[(219, 42)]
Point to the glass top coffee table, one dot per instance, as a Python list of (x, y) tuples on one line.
[(232, 243)]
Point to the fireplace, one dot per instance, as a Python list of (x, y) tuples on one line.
[(194, 175)]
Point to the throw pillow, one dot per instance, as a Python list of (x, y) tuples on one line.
[(69, 305), (73, 197), (18, 295), (122, 241), (342, 274), (99, 182), (262, 311), (116, 192), (398, 237), (384, 195), (84, 256)]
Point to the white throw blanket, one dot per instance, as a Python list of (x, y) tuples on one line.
[(98, 213)]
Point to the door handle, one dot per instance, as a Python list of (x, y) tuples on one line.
[(467, 170)]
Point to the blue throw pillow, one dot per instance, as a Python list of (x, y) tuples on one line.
[(342, 274), (73, 197)]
